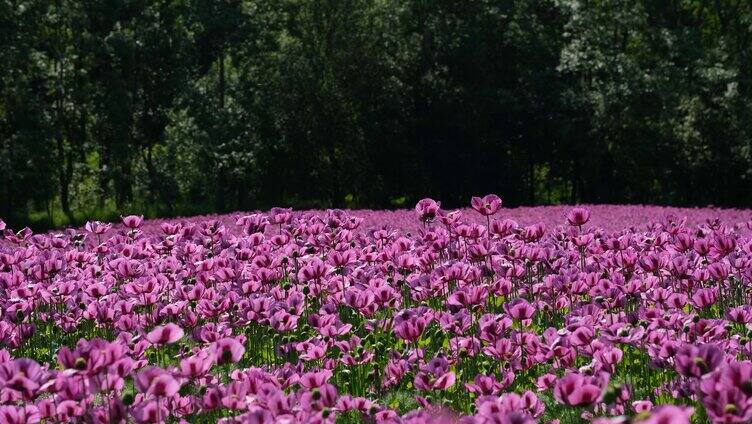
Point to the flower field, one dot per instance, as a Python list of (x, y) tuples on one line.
[(609, 314)]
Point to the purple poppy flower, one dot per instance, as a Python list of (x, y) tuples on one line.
[(696, 361), (435, 375), (577, 217), (545, 382), (197, 365), (150, 412), (578, 390), (315, 379), (519, 309), (228, 350), (487, 205), (705, 297), (609, 356), (165, 334), (96, 227), (668, 414), (509, 408), (411, 329), (280, 215), (642, 406), (426, 381), (22, 375), (484, 385), (156, 382), (727, 393), (132, 221), (69, 410), (319, 398), (10, 414), (212, 399), (427, 209), (235, 395), (468, 296)]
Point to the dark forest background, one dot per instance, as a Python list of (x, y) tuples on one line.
[(188, 106)]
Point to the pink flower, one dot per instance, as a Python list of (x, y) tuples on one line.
[(150, 412), (727, 393), (696, 361), (22, 375), (68, 410), (545, 382), (435, 375), (156, 382), (280, 215), (427, 381), (510, 408), (642, 406), (165, 334), (315, 379), (259, 416), (519, 309), (410, 329), (578, 390), (96, 227), (487, 205), (484, 385), (427, 209), (319, 398), (228, 350), (349, 403), (197, 365), (133, 221), (468, 296), (14, 415), (577, 217), (314, 270), (609, 356), (235, 395), (669, 414), (705, 297)]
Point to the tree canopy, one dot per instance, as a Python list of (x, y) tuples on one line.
[(190, 106)]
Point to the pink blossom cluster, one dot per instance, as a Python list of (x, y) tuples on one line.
[(465, 316)]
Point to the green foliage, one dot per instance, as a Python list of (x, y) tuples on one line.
[(196, 106)]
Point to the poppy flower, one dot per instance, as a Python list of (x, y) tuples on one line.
[(165, 334), (228, 350), (578, 390), (577, 217), (156, 382), (519, 309), (486, 205), (668, 414), (696, 361), (197, 365), (132, 221), (427, 209)]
